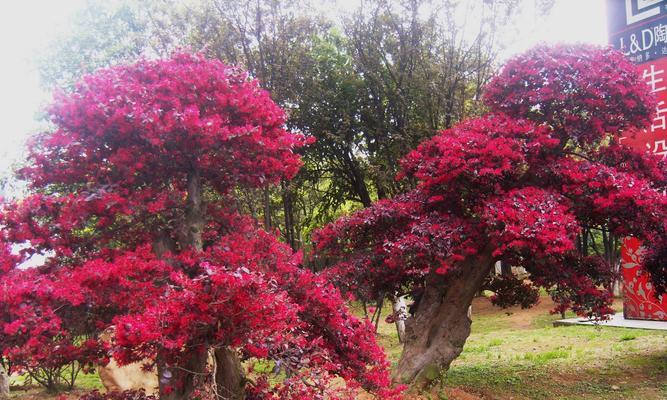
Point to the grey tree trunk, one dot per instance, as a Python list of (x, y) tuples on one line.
[(288, 210), (229, 379), (4, 384), (435, 335)]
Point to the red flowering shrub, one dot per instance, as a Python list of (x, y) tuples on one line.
[(509, 290), (130, 195), (582, 92), (516, 185)]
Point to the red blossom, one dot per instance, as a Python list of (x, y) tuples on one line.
[(583, 92)]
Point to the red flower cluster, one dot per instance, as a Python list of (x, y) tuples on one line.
[(583, 92)]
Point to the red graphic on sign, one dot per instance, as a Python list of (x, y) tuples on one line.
[(639, 299)]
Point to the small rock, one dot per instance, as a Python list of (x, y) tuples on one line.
[(614, 387)]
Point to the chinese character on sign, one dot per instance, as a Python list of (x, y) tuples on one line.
[(660, 33), (660, 120), (660, 148), (652, 79)]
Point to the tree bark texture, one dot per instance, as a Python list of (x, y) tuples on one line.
[(437, 331), (288, 210), (229, 377), (190, 234), (4, 384)]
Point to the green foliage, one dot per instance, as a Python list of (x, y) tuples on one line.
[(100, 34), (368, 87)]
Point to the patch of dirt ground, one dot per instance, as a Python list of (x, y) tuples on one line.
[(460, 394), (521, 318)]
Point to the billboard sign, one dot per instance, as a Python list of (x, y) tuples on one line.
[(638, 28)]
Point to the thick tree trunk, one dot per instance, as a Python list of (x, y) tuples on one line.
[(435, 335), (178, 382), (4, 384), (190, 234), (229, 377)]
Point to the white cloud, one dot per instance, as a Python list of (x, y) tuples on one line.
[(25, 28)]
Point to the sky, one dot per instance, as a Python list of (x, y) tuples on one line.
[(28, 26)]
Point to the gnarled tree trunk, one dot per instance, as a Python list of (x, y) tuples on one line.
[(229, 379), (436, 333)]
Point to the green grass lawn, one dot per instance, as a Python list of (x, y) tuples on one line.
[(518, 354), (23, 388)]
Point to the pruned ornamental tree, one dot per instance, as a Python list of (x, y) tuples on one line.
[(131, 200), (515, 185)]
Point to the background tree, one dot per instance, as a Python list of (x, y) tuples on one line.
[(104, 33), (131, 194), (273, 40), (406, 70), (515, 185), (420, 70)]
